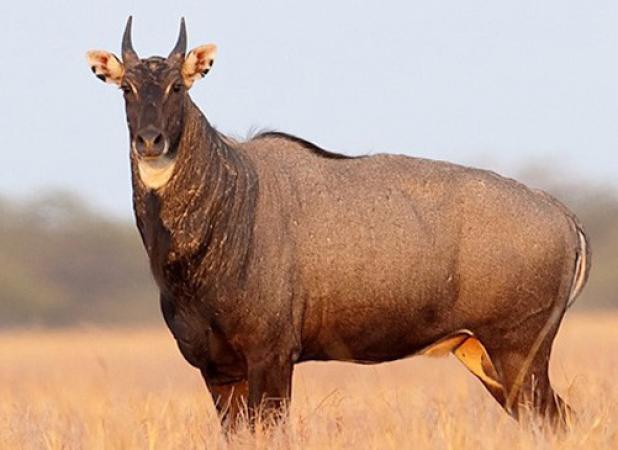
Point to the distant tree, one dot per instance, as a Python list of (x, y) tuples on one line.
[(61, 263)]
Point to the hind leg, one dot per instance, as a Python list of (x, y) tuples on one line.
[(522, 361), (527, 386)]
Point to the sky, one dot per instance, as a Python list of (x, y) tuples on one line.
[(494, 84)]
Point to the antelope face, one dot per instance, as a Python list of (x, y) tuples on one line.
[(155, 93)]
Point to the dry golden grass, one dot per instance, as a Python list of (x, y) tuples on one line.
[(100, 389)]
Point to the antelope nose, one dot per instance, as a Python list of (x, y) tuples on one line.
[(150, 142)]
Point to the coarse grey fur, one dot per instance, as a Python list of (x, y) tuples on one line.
[(276, 253), (273, 251)]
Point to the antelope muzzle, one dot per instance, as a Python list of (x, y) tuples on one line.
[(150, 142)]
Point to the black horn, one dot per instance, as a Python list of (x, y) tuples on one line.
[(128, 54), (181, 44)]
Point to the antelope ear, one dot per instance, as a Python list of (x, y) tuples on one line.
[(106, 66), (197, 63)]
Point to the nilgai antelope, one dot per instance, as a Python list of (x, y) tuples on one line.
[(274, 251)]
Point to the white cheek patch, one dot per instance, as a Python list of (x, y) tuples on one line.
[(155, 173)]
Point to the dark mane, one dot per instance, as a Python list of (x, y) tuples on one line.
[(305, 144)]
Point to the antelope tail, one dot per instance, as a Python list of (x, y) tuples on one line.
[(582, 263)]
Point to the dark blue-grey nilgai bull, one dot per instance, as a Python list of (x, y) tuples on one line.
[(273, 251)]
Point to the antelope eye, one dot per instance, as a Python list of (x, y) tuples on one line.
[(126, 88), (177, 87)]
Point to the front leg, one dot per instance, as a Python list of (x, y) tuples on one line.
[(230, 401), (270, 388)]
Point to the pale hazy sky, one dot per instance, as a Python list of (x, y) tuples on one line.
[(490, 83)]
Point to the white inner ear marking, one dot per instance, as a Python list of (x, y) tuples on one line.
[(106, 66), (155, 172), (197, 63)]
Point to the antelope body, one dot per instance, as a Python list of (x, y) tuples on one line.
[(273, 251)]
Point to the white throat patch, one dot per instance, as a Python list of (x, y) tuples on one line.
[(156, 172)]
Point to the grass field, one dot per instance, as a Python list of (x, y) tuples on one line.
[(98, 389)]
